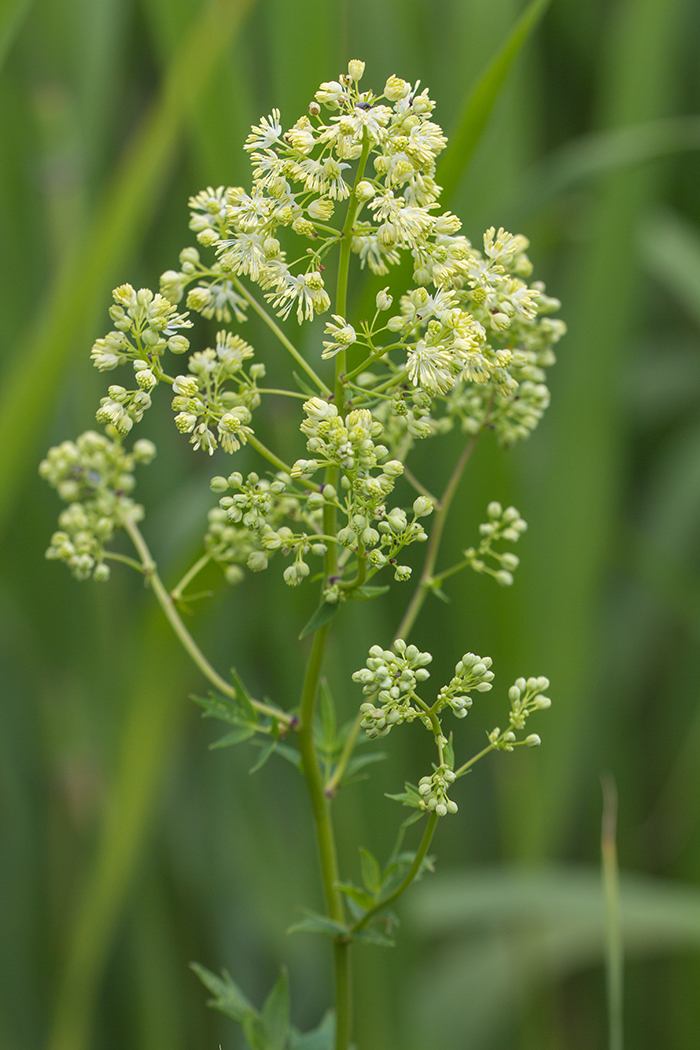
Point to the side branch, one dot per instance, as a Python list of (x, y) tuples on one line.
[(168, 606), (286, 343)]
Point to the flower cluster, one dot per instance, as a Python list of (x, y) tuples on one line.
[(525, 697), (502, 525), (433, 791), (94, 476), (204, 399), (472, 674), (247, 527), (391, 677)]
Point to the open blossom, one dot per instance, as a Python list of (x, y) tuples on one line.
[(342, 335)]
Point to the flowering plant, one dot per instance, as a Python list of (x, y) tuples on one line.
[(466, 347)]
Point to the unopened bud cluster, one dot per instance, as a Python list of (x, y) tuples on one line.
[(502, 525), (391, 677), (94, 476), (526, 696)]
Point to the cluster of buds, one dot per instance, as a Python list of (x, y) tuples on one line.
[(526, 696), (433, 791), (502, 525), (472, 674), (391, 677), (94, 476), (145, 325)]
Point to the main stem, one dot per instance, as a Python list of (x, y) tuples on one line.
[(321, 809)]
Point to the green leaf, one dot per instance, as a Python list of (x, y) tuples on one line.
[(450, 752), (228, 997), (303, 385), (358, 762), (290, 753), (439, 593), (267, 750), (409, 797), (355, 894), (314, 923), (220, 707), (371, 935), (254, 1032), (243, 697), (367, 591), (371, 872), (325, 612), (480, 103), (236, 736), (275, 1014), (321, 1038)]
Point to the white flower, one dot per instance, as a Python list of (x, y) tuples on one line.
[(342, 334), (430, 368), (306, 289), (266, 133)]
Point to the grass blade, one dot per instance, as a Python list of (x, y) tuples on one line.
[(96, 259), (482, 99), (614, 959), (11, 18), (671, 247)]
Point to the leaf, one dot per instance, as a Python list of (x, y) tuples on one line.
[(254, 1032), (355, 894), (368, 591), (439, 593), (290, 753), (450, 752), (216, 706), (243, 696), (267, 750), (480, 103), (358, 762), (236, 736), (371, 872), (371, 935), (303, 386), (325, 612), (275, 1014), (314, 923), (321, 1038), (228, 997), (409, 797)]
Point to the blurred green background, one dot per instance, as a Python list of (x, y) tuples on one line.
[(127, 849)]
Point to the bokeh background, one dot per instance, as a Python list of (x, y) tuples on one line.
[(127, 848)]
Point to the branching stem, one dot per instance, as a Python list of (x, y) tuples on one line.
[(166, 603)]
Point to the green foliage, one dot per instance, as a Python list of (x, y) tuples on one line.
[(146, 850)]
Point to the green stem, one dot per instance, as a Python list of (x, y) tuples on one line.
[(407, 880), (286, 343), (341, 299), (321, 809), (413, 480), (282, 393), (124, 559), (431, 553), (176, 593), (188, 643), (345, 756), (467, 765)]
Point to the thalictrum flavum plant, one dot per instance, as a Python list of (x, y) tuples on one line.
[(466, 346)]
